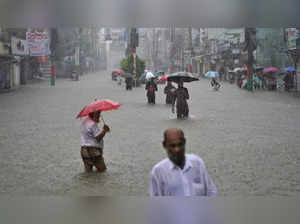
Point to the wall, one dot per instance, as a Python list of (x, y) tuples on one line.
[(270, 49), (5, 73)]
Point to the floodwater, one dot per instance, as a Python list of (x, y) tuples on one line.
[(249, 141)]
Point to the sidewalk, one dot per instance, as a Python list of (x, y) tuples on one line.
[(31, 81), (292, 92), (7, 90), (38, 79)]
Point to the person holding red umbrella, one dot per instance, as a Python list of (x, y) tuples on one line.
[(91, 137), (92, 143)]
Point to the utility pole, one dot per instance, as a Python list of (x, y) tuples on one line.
[(153, 47), (127, 43), (172, 49), (297, 73), (250, 39), (134, 42), (182, 59), (191, 49)]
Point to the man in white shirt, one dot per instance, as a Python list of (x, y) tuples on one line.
[(180, 174), (91, 141)]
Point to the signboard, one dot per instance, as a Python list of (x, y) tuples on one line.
[(292, 36), (38, 44), (43, 59), (19, 46), (107, 34)]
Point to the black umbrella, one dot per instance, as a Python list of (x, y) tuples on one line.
[(257, 68), (182, 76)]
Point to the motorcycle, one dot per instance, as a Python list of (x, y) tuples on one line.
[(216, 87)]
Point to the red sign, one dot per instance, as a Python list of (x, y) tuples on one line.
[(42, 59), (191, 68), (37, 36), (53, 70)]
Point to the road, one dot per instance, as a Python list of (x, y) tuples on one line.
[(249, 141)]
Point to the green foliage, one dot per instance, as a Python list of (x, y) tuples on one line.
[(127, 65)]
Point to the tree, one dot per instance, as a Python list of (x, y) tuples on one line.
[(127, 65)]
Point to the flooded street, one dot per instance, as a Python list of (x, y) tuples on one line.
[(249, 141)]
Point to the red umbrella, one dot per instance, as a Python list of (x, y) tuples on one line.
[(118, 72), (98, 105), (164, 78), (270, 69)]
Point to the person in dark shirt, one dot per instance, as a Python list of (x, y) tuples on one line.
[(151, 88), (169, 91), (180, 97), (129, 82)]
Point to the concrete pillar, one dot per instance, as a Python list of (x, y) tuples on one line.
[(108, 57), (17, 78), (23, 72)]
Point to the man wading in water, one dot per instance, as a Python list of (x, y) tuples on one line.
[(180, 97), (92, 144)]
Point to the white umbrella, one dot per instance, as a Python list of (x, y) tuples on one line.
[(237, 69), (243, 69), (149, 75)]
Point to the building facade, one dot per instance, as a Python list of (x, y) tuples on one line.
[(9, 64)]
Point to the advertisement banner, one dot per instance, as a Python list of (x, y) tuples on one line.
[(19, 47), (38, 44)]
